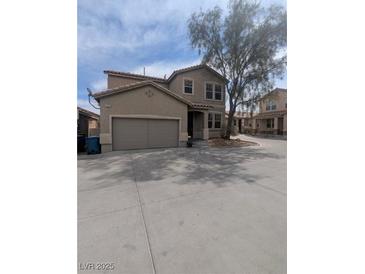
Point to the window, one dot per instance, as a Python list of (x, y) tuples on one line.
[(210, 120), (217, 120), (213, 91), (270, 123), (209, 91), (217, 92), (235, 122), (188, 86), (270, 105), (214, 120)]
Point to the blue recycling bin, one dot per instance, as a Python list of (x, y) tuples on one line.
[(93, 145)]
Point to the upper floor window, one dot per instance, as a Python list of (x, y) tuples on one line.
[(188, 86), (213, 91), (235, 122), (270, 105), (209, 91), (217, 92)]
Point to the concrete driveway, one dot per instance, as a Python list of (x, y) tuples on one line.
[(198, 210)]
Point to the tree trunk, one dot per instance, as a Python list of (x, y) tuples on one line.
[(229, 124)]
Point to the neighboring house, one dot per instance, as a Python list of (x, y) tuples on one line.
[(238, 122), (247, 123), (138, 111), (272, 118), (87, 123)]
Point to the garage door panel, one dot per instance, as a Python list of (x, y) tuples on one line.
[(135, 133), (129, 134), (163, 133)]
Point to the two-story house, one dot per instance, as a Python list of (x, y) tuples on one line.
[(272, 117), (138, 111)]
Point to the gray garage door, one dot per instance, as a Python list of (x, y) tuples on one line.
[(134, 133)]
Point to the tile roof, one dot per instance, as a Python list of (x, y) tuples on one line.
[(163, 80), (178, 71), (240, 114), (132, 86), (201, 106), (134, 75), (274, 90)]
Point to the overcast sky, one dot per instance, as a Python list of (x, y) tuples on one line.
[(127, 35)]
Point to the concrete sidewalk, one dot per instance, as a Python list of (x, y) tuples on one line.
[(220, 210)]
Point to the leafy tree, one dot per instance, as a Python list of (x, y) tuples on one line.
[(248, 47)]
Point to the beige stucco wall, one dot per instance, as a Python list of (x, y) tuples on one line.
[(278, 97), (144, 101), (117, 81)]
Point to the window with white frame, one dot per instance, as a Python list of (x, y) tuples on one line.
[(217, 92), (210, 120), (188, 86), (209, 91)]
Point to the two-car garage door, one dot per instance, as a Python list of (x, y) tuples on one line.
[(136, 133)]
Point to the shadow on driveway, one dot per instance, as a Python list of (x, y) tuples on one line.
[(177, 165)]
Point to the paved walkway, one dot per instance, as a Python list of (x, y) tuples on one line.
[(184, 210)]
